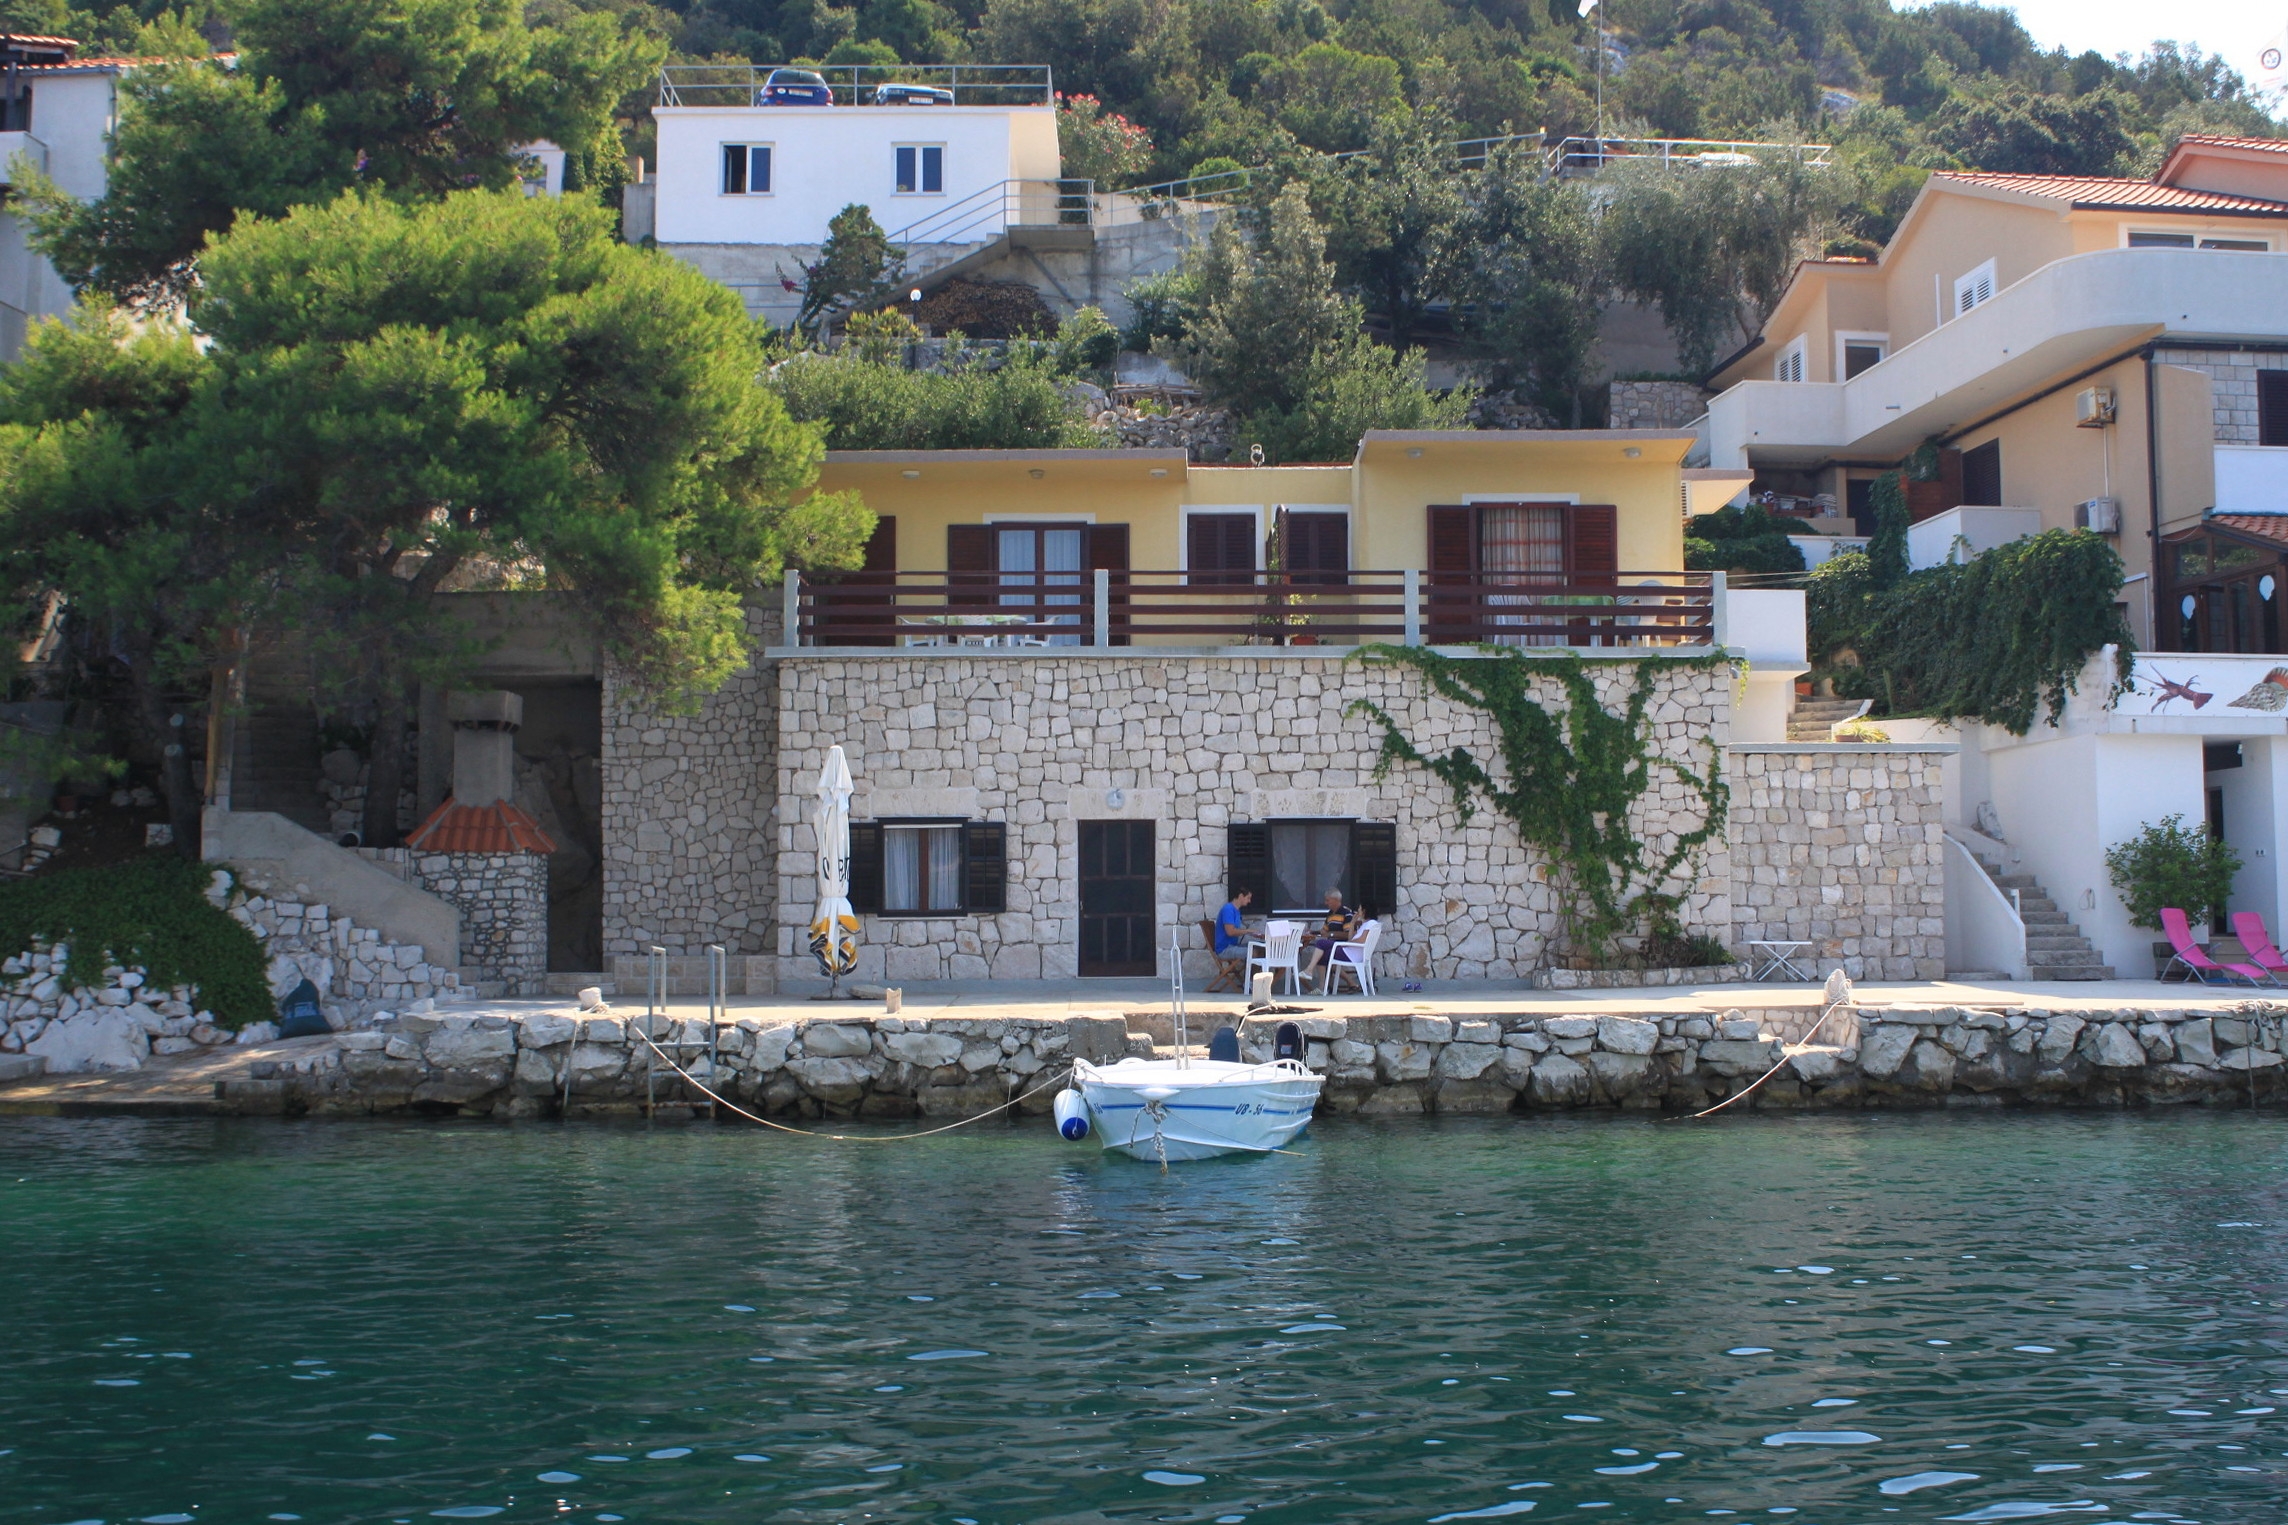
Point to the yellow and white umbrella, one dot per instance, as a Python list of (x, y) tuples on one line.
[(834, 928)]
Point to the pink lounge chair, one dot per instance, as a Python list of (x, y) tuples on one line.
[(2195, 958), (2248, 926)]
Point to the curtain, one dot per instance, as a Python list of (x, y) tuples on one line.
[(901, 869), (944, 867), (1527, 542)]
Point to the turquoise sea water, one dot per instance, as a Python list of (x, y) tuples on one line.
[(1797, 1320)]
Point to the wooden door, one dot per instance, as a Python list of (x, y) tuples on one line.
[(1117, 882)]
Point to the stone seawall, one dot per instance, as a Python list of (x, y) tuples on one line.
[(514, 1065)]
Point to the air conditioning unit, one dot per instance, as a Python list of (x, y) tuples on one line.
[(2100, 516), (2093, 407)]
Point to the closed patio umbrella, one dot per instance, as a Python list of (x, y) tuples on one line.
[(834, 928)]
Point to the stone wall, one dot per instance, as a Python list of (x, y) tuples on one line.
[(503, 901), (688, 830), (1841, 847), (497, 1064), (2232, 381), (1192, 744), (1653, 404)]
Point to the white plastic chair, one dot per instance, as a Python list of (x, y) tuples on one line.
[(1357, 957), (1279, 948)]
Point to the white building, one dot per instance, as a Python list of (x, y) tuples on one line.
[(56, 114)]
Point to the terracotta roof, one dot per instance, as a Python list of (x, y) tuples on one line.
[(2264, 526), (496, 828), (2105, 191), (2218, 140), (61, 42)]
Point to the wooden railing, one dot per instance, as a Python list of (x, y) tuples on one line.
[(1298, 609)]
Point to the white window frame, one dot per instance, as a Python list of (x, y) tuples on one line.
[(1968, 284), (1184, 528), (2201, 236), (1848, 336), (921, 176), (771, 149), (1795, 355)]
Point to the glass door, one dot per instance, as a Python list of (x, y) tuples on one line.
[(1041, 570)]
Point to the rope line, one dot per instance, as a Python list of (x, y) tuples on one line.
[(1787, 1051), (844, 1138)]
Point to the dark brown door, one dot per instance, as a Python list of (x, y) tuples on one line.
[(1117, 867), (1219, 548), (860, 608)]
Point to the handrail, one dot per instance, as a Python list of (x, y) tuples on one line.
[(1004, 204), (1596, 153), (1984, 929), (853, 84)]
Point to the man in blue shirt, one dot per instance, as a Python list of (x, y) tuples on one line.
[(1230, 929)]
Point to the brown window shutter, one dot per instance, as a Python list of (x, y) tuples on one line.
[(866, 867), (1374, 869), (1318, 547), (1452, 547), (868, 618), (1247, 862), (1108, 551), (2272, 407), (969, 566), (985, 867), (1453, 612), (882, 545), (1594, 544)]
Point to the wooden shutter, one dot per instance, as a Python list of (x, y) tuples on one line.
[(1108, 551), (969, 566), (1374, 868), (1319, 546), (860, 608), (985, 867), (2272, 407), (1452, 615), (1982, 475), (1247, 861), (866, 867), (1593, 544)]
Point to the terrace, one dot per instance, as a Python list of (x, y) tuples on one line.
[(1000, 85)]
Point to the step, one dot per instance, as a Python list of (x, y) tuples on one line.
[(2073, 972), (2057, 942)]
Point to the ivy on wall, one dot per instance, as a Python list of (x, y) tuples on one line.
[(2001, 638), (151, 915), (1573, 776)]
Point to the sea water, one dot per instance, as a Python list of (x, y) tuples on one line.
[(1797, 1320)]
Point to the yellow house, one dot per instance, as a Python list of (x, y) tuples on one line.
[(1446, 536), (2091, 351)]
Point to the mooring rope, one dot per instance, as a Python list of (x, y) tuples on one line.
[(844, 1138), (1787, 1051)]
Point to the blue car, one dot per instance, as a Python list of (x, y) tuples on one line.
[(794, 87)]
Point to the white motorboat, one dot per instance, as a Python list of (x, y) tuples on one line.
[(1188, 1109), (1192, 1109)]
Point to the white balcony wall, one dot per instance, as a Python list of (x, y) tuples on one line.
[(1961, 533), (2252, 479), (1819, 548), (1767, 624), (1984, 932), (824, 158)]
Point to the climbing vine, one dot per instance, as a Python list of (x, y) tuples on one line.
[(1573, 778), (151, 915)]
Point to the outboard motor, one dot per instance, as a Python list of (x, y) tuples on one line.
[(1071, 1114), (1287, 1042), (1223, 1048)]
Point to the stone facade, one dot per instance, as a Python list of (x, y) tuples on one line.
[(2232, 381), (1653, 404), (1841, 847), (503, 901), (1192, 744), (690, 856)]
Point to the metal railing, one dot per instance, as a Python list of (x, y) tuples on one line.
[(1172, 198), (1048, 610), (855, 84), (982, 215), (1579, 156)]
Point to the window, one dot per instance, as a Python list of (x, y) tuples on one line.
[(1974, 288), (2272, 407), (1856, 354), (928, 867), (921, 169), (1220, 547), (1982, 475), (1038, 575), (1290, 865), (746, 169), (2155, 240), (1315, 545), (1789, 366), (1478, 550)]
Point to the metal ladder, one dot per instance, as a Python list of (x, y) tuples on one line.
[(663, 1087)]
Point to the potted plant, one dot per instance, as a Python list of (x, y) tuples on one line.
[(2171, 864)]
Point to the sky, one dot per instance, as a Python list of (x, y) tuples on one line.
[(2235, 28)]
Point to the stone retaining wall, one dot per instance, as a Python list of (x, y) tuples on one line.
[(502, 1065)]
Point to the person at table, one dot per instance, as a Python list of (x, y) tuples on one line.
[(1341, 926), (1231, 925)]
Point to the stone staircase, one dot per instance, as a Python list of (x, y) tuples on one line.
[(1811, 719), (2055, 948), (274, 758)]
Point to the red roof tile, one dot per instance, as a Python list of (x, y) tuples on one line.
[(496, 828), (2218, 140), (2265, 526), (2104, 191)]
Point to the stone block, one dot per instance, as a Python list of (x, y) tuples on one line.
[(926, 1050), (836, 1040), (1570, 1027), (1734, 1056), (1619, 1074), (2245, 1059), (2112, 1046), (1399, 1062), (1884, 1049), (2059, 1035), (2196, 1042), (1467, 1061), (543, 1029), (1558, 1082), (1627, 1035), (457, 1046), (1421, 1029), (1929, 1066)]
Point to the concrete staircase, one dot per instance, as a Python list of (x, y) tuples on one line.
[(1814, 719), (275, 751), (2055, 948)]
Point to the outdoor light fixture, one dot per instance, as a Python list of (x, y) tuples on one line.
[(1159, 471), (1414, 453), (914, 295), (1632, 452), (909, 475), (1036, 472)]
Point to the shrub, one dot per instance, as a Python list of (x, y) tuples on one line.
[(1746, 539), (1100, 145), (870, 405), (2172, 864), (151, 915), (986, 310)]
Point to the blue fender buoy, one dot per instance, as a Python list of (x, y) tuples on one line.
[(1071, 1115)]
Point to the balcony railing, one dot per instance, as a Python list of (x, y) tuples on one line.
[(855, 84), (1041, 610)]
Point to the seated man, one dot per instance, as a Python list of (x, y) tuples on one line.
[(1230, 925), (1341, 926)]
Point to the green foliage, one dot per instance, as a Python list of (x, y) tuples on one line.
[(417, 100), (1746, 539), (1887, 547), (1572, 780), (972, 404), (1160, 306), (2021, 131), (152, 915), (2169, 864), (1998, 639), (856, 267), (1101, 145), (1329, 96), (1525, 274)]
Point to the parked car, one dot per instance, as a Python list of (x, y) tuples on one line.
[(794, 87), (912, 95)]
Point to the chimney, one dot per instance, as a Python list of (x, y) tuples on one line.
[(484, 745)]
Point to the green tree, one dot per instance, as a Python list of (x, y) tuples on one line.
[(1523, 273), (2026, 132), (417, 98), (866, 404), (1746, 539), (2171, 865), (493, 391), (1330, 97), (1391, 215), (1887, 547), (856, 267), (1101, 145)]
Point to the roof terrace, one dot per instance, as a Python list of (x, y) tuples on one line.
[(862, 84)]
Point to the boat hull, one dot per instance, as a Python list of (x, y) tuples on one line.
[(1157, 1109)]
